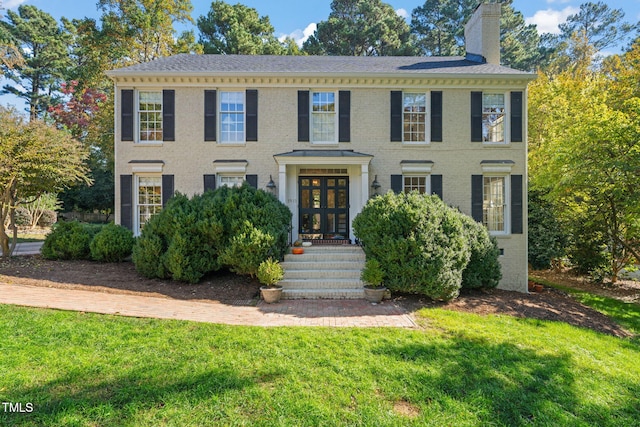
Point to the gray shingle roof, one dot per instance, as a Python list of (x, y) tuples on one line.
[(314, 65)]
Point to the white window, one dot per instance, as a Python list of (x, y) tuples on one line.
[(416, 183), (323, 117), (493, 117), (150, 116), (232, 118), (494, 203), (148, 198), (230, 180), (414, 117)]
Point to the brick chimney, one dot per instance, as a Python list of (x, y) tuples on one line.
[(482, 34)]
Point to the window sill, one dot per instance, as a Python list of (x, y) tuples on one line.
[(231, 144), (148, 144), (496, 144), (416, 144), (326, 143), (501, 235)]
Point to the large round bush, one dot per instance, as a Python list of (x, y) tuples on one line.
[(236, 228), (419, 242), (112, 244), (68, 240)]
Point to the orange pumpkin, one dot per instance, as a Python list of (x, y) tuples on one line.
[(297, 251)]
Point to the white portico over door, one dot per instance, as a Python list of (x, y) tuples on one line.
[(348, 168)]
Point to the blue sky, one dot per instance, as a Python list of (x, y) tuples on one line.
[(297, 17)]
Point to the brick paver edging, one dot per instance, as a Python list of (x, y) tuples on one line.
[(336, 313)]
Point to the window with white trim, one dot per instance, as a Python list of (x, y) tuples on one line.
[(414, 117), (494, 203), (230, 180), (150, 116), (148, 198), (419, 183), (323, 117), (232, 117), (493, 117)]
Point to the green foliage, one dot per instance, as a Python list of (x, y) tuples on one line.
[(419, 242), (547, 240), (270, 272), (113, 243), (23, 217), (237, 29), (372, 273), (483, 269), (237, 228), (361, 28), (68, 240)]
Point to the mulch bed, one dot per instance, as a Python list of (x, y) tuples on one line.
[(226, 287)]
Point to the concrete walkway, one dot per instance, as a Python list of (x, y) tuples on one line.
[(336, 313), (28, 248)]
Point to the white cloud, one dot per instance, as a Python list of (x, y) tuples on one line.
[(403, 13), (548, 20), (10, 4), (300, 36)]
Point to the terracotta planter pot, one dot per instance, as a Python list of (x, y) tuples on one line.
[(374, 295), (297, 251), (271, 295)]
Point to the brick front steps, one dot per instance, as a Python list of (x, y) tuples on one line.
[(324, 272)]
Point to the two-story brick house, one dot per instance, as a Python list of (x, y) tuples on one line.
[(327, 133)]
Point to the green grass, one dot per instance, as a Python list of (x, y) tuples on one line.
[(626, 314), (465, 370), (31, 237)]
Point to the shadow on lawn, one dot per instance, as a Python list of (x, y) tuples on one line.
[(505, 385), (82, 399)]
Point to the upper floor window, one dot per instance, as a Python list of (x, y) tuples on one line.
[(232, 117), (150, 116), (323, 117), (493, 117), (414, 117)]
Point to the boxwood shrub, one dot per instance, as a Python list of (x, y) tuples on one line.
[(425, 247), (68, 240), (236, 228), (112, 244)]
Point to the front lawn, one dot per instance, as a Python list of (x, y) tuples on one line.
[(462, 369)]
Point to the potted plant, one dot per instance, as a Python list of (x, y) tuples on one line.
[(373, 276), (270, 272)]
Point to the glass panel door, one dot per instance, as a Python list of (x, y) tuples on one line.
[(324, 207)]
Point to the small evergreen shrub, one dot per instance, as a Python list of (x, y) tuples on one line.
[(48, 218), (270, 272), (372, 273), (68, 240), (483, 269), (22, 217), (419, 242), (112, 244)]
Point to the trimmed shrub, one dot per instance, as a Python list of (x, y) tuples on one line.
[(419, 242), (236, 228), (483, 269), (372, 273), (22, 217), (112, 244), (48, 218), (68, 240)]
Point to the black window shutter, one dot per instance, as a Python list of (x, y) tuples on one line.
[(126, 115), (210, 108), (344, 116), (303, 115), (396, 183), (396, 115), (516, 204), (252, 115), (252, 180), (476, 116), (167, 188), (436, 116), (436, 185), (476, 197), (126, 201), (168, 115), (209, 182), (516, 116)]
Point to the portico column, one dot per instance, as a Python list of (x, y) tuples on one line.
[(365, 183), (282, 183)]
